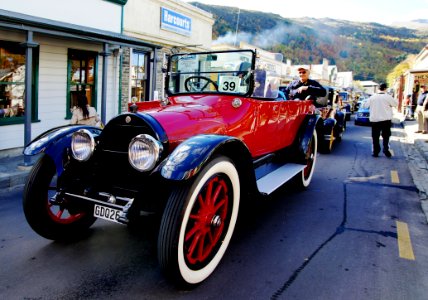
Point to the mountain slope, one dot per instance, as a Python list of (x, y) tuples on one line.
[(370, 50)]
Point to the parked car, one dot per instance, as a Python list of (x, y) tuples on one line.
[(192, 159), (362, 115)]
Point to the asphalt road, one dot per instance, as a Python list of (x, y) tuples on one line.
[(358, 232)]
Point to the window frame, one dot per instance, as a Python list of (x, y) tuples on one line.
[(83, 54), (34, 86), (146, 79)]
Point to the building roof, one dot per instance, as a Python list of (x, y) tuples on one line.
[(368, 83), (22, 22)]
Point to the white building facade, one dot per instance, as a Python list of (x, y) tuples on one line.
[(52, 50)]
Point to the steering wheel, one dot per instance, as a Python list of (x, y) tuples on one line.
[(198, 83)]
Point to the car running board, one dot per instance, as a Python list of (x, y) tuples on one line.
[(272, 181)]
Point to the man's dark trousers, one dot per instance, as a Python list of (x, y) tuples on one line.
[(381, 128)]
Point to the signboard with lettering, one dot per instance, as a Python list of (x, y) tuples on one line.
[(421, 77), (175, 22)]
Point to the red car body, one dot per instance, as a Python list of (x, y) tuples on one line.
[(269, 125), (220, 139)]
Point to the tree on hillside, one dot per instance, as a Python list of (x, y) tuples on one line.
[(400, 69)]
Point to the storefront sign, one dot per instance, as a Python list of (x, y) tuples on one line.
[(175, 22), (421, 77)]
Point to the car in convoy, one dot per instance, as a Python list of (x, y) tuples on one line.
[(334, 117), (219, 139), (362, 116), (347, 104)]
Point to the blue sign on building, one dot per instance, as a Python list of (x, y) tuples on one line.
[(173, 21)]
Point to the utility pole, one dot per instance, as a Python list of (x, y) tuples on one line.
[(237, 24)]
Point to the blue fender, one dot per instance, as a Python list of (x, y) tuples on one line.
[(188, 158), (340, 117), (55, 141)]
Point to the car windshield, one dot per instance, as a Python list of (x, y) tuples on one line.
[(214, 72)]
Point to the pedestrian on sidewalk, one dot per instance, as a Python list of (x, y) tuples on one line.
[(420, 108), (408, 113), (425, 106), (380, 105)]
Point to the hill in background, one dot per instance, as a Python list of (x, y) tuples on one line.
[(369, 50)]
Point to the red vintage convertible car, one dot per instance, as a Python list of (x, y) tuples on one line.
[(220, 138)]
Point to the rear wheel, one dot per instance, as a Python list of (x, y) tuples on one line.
[(304, 179), (49, 215), (198, 223)]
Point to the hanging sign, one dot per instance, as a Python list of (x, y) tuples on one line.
[(175, 22)]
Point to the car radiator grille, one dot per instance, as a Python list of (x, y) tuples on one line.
[(111, 158)]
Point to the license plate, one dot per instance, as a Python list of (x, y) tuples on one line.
[(106, 213)]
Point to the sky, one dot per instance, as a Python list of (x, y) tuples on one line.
[(381, 11)]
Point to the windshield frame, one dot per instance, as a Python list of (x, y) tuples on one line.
[(175, 58)]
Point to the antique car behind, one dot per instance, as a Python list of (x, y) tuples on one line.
[(218, 140), (334, 117), (362, 116), (347, 103)]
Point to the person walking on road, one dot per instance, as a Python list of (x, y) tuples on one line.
[(420, 108), (380, 105)]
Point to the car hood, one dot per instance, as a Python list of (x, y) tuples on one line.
[(187, 116)]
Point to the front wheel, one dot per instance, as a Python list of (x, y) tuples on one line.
[(305, 177), (198, 223), (49, 214)]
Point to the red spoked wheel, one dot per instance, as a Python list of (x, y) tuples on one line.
[(198, 223), (60, 214), (52, 218), (207, 221)]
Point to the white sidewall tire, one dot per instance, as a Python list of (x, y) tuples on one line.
[(192, 276), (307, 181)]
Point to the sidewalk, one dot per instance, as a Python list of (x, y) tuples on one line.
[(13, 171), (415, 148)]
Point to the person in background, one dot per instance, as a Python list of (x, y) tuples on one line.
[(84, 114), (407, 105), (305, 88), (425, 114), (380, 106), (422, 125)]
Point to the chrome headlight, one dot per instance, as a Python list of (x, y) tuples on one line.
[(144, 152), (82, 145)]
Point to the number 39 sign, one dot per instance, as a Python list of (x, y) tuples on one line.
[(229, 84)]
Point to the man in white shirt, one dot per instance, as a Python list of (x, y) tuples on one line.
[(380, 106)]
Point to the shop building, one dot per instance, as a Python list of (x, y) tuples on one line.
[(51, 50), (417, 76), (174, 25)]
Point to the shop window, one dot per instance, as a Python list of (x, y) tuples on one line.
[(82, 66), (12, 83), (139, 77)]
